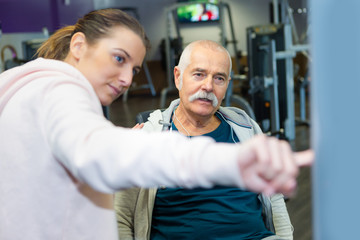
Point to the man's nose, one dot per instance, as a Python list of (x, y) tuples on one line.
[(208, 84)]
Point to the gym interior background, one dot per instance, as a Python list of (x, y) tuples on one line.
[(270, 47)]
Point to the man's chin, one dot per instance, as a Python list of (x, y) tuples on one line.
[(204, 109)]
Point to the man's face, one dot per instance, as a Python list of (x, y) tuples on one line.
[(204, 79)]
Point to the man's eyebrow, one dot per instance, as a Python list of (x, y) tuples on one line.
[(199, 70), (222, 74)]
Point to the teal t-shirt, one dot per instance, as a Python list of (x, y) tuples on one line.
[(221, 213)]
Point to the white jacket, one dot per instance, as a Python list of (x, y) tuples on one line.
[(59, 156)]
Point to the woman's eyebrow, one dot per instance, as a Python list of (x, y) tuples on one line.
[(125, 52)]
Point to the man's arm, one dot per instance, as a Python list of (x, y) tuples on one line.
[(280, 217), (124, 204)]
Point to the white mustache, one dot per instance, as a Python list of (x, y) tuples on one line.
[(204, 95)]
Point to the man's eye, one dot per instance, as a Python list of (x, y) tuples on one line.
[(135, 72), (119, 59), (219, 80)]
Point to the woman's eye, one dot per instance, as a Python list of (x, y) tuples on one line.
[(119, 59)]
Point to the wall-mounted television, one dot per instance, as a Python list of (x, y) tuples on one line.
[(199, 11)]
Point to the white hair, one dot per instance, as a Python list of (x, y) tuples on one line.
[(186, 55)]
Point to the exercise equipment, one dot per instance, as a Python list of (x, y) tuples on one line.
[(14, 61), (270, 57), (30, 48)]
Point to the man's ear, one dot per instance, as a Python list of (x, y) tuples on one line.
[(177, 77), (77, 45), (228, 82)]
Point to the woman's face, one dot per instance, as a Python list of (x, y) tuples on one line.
[(111, 63)]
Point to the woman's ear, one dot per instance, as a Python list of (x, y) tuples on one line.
[(78, 45)]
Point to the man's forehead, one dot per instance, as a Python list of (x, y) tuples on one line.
[(203, 67), (209, 55)]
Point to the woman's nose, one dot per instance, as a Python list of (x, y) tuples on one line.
[(125, 77)]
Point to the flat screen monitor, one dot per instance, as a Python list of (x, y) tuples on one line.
[(198, 12)]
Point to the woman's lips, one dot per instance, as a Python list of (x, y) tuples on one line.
[(115, 90)]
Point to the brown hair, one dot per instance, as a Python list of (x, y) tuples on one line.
[(95, 25)]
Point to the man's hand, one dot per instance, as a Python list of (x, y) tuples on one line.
[(269, 165)]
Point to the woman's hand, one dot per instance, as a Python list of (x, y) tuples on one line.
[(138, 126), (269, 165)]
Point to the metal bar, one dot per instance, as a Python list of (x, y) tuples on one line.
[(148, 77), (302, 103), (274, 108), (276, 11), (169, 76), (285, 54), (300, 47), (290, 98), (222, 5), (291, 20), (291, 52)]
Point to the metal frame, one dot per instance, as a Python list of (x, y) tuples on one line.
[(288, 54)]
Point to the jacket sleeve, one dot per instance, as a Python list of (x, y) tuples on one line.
[(110, 158), (125, 203), (281, 219)]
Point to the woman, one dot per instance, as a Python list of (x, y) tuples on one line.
[(60, 156)]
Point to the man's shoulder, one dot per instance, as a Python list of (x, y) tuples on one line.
[(235, 114), (239, 117)]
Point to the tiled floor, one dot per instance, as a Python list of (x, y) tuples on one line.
[(123, 114)]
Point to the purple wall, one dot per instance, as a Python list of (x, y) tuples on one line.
[(32, 16), (69, 14)]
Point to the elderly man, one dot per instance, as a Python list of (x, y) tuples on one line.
[(202, 77)]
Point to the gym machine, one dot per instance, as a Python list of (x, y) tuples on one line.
[(271, 78)]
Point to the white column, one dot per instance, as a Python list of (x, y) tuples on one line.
[(335, 113)]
